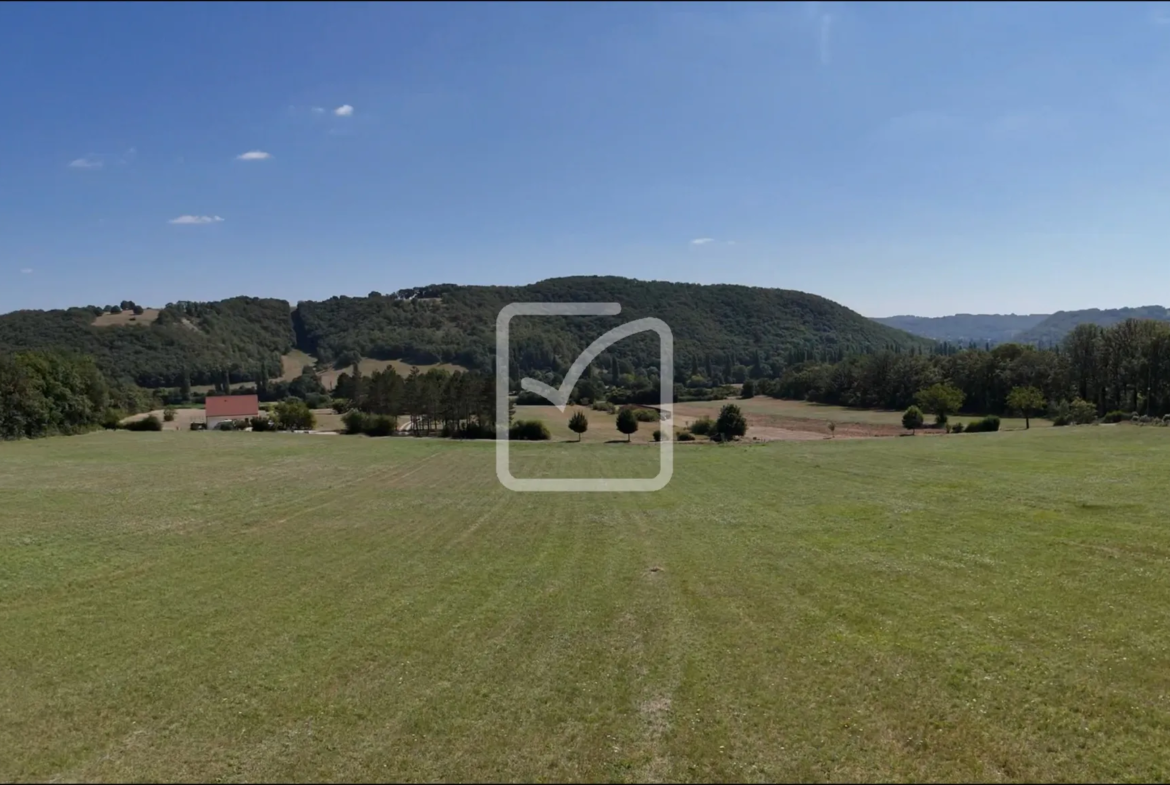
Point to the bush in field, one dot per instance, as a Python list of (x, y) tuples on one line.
[(261, 424), (1082, 412), (986, 425), (704, 426), (604, 406), (578, 423), (1060, 413), (111, 419), (294, 414), (686, 436), (647, 415), (379, 425), (912, 420), (957, 428), (529, 430), (731, 423), (148, 423), (354, 421), (1117, 416), (657, 435), (169, 414)]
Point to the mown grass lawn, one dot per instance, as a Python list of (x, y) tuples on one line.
[(236, 606)]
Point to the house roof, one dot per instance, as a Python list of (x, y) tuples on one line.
[(232, 406)]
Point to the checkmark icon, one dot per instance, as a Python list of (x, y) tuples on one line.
[(559, 396)]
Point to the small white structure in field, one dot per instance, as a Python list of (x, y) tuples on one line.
[(223, 408)]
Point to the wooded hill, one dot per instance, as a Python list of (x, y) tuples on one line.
[(203, 340), (721, 324), (1055, 328)]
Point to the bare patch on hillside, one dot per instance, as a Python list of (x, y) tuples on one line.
[(148, 316), (368, 366)]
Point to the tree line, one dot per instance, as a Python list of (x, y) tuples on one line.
[(46, 393), (455, 404), (1125, 367)]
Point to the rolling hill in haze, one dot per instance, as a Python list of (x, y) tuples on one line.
[(451, 323), (1053, 329), (965, 328)]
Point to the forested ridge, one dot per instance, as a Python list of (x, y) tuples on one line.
[(719, 323), (200, 340), (244, 337), (1056, 327)]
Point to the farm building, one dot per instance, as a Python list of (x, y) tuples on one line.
[(220, 408)]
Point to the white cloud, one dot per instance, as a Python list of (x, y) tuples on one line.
[(343, 111), (195, 219), (253, 155), (703, 241), (90, 162), (318, 110), (26, 270)]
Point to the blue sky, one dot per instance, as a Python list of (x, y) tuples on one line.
[(898, 158)]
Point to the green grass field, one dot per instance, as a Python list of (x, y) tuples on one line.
[(235, 606)]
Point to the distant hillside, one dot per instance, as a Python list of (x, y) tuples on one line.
[(719, 324), (965, 328), (449, 323), (154, 348), (1053, 329)]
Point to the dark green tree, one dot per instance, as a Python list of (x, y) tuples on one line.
[(731, 423), (627, 423), (578, 424)]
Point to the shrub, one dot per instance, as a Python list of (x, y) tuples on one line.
[(912, 420), (477, 430), (355, 422), (686, 436), (647, 415), (1082, 412), (149, 423), (341, 405), (1059, 413), (1117, 416), (986, 425), (379, 425), (169, 414), (294, 414), (111, 419), (657, 436), (704, 426), (957, 428), (604, 406), (529, 430), (261, 424), (731, 423), (748, 390), (226, 425), (318, 401)]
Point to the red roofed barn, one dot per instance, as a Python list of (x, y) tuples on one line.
[(219, 408)]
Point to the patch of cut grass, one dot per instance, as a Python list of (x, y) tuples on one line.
[(237, 606)]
